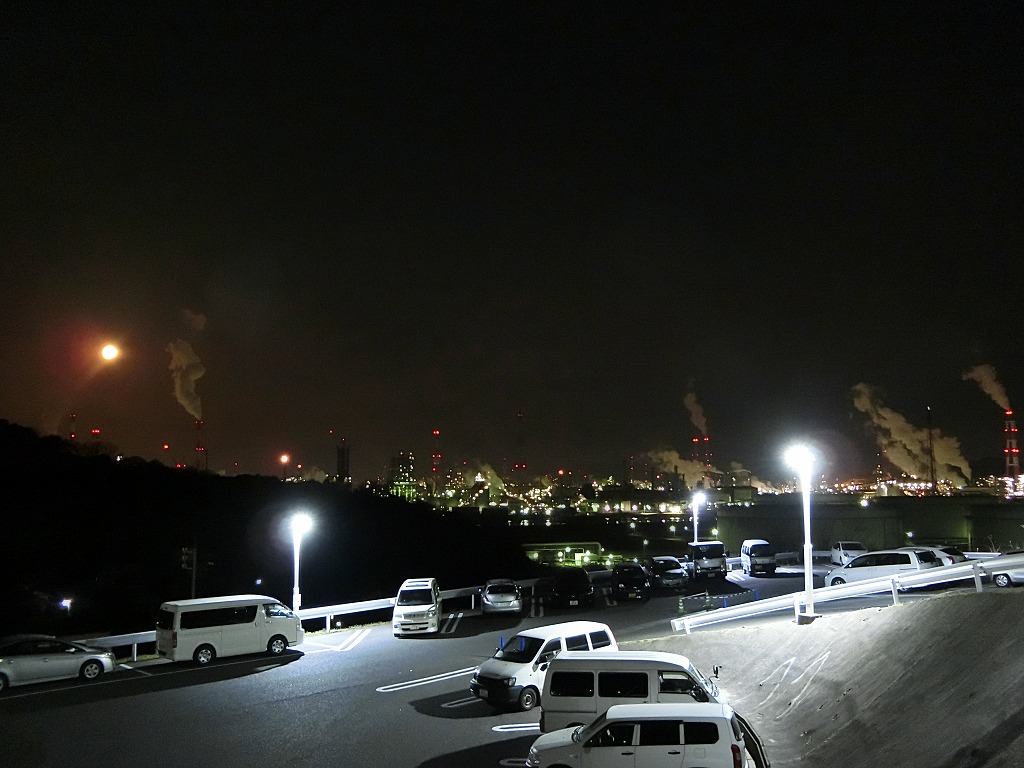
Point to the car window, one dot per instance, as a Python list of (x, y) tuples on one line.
[(52, 646), (622, 685), (926, 557), (901, 558), (600, 639), (572, 684), (576, 643), (670, 681), (700, 732), (613, 735), (519, 649), (655, 733), (276, 609), (863, 561)]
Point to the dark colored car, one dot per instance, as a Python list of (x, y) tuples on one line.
[(571, 587), (631, 581)]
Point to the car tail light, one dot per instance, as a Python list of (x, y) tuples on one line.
[(174, 639), (737, 756)]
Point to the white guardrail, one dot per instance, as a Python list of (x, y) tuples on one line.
[(795, 600), (981, 564)]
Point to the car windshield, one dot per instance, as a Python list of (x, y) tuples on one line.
[(761, 550), (708, 550), (519, 648), (415, 597)]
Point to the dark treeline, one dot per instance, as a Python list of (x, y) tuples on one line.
[(109, 533)]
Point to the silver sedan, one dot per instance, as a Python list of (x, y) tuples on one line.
[(28, 659)]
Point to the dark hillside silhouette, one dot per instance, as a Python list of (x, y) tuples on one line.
[(108, 533)]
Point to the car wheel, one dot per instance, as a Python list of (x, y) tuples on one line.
[(277, 645), (203, 655), (837, 581), (528, 699), (1001, 580), (90, 670)]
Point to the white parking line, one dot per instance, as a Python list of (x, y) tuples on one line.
[(451, 623), (426, 680), (349, 641)]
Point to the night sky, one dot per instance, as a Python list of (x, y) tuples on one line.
[(543, 229)]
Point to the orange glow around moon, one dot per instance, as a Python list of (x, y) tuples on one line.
[(109, 352)]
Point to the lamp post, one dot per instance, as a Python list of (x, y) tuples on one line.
[(698, 499), (800, 458), (301, 524), (284, 459)]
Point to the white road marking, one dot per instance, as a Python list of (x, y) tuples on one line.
[(451, 623), (349, 641), (426, 680)]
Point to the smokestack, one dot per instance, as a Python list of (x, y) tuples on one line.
[(201, 461), (1011, 450)]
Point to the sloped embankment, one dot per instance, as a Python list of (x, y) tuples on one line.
[(937, 682)]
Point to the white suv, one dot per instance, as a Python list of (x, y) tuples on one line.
[(885, 562), (685, 735)]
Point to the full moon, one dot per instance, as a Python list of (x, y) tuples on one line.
[(109, 352)]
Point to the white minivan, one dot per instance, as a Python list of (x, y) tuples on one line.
[(580, 686), (417, 607), (757, 556), (203, 628), (886, 562), (514, 676)]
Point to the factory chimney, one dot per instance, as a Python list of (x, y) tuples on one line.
[(1011, 450), (201, 462)]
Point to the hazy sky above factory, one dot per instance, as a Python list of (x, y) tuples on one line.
[(560, 233)]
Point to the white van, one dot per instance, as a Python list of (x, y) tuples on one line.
[(580, 686), (514, 676), (707, 558), (757, 556), (885, 562), (417, 607), (204, 628)]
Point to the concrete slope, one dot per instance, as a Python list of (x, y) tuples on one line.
[(937, 682)]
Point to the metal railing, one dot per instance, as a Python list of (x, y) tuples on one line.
[(975, 568)]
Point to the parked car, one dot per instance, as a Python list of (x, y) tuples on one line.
[(501, 596), (668, 571), (707, 558), (844, 551), (757, 555), (631, 581), (570, 587), (1010, 576), (28, 659), (886, 562), (683, 734), (945, 555)]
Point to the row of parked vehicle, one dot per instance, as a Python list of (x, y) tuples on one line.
[(602, 706)]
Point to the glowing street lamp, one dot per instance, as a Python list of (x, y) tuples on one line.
[(109, 352), (801, 459), (698, 499), (301, 525), (284, 459)]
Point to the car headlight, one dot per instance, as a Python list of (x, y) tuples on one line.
[(509, 681), (432, 611), (533, 759)]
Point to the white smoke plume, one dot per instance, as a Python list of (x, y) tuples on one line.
[(743, 476), (696, 412), (693, 472), (985, 375), (906, 446), (186, 370), (195, 321)]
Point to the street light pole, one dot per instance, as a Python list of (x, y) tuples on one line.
[(801, 459), (301, 524)]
